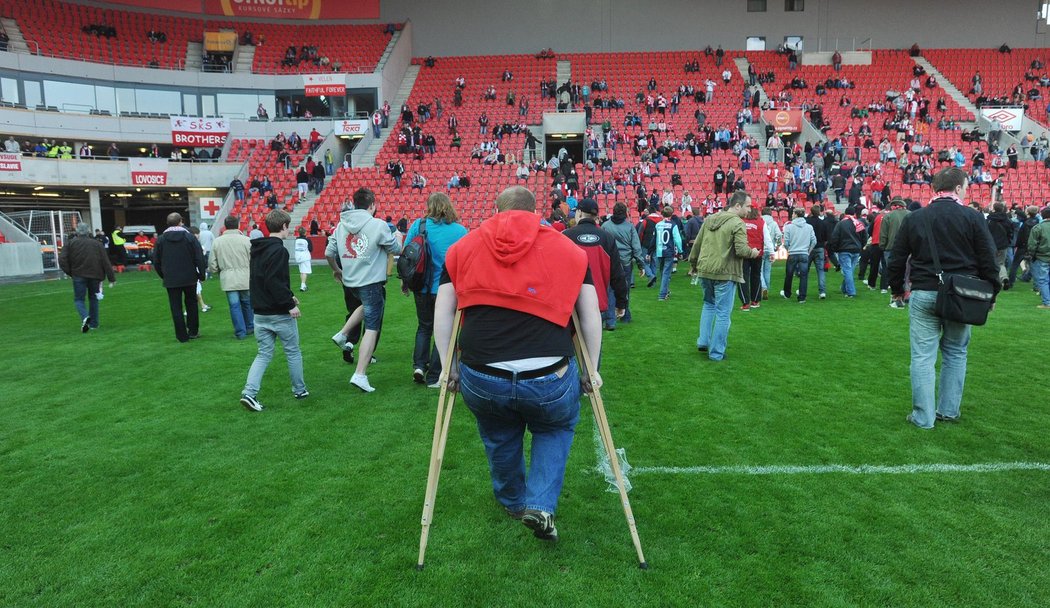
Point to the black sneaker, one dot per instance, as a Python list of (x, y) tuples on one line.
[(942, 418), (514, 514), (86, 325), (250, 402), (651, 282), (541, 523), (301, 395)]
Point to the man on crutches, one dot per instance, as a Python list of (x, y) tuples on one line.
[(517, 283)]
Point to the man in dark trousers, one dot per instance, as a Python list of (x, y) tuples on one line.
[(603, 260), (179, 260), (821, 230), (964, 246), (517, 368)]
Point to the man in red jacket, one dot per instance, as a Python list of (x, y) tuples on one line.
[(517, 283)]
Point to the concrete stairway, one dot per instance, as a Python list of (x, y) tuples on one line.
[(389, 49), (955, 93), (243, 57), (16, 42), (194, 56), (564, 72), (376, 144)]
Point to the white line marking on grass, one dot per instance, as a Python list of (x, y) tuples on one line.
[(863, 469)]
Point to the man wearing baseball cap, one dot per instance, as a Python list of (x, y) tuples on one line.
[(603, 259)]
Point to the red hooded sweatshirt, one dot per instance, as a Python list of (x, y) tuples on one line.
[(513, 262)]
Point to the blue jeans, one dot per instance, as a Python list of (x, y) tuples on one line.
[(549, 407), (848, 261), (797, 264), (241, 312), (269, 328), (664, 264), (86, 289), (767, 271), (373, 299), (1041, 278), (817, 259), (375, 130), (928, 333), (609, 314), (714, 317)]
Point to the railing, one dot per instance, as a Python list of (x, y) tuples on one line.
[(357, 69), (59, 55), (826, 45)]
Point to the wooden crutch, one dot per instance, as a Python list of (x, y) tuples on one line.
[(587, 371), (446, 399)]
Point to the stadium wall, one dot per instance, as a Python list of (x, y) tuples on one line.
[(482, 27)]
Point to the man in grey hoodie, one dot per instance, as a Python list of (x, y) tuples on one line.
[(799, 240), (357, 253), (629, 248)]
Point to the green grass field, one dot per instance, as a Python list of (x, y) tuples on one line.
[(131, 476)]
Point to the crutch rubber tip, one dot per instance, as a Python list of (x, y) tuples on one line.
[(642, 565), (419, 567)]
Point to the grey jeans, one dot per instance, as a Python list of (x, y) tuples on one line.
[(268, 328)]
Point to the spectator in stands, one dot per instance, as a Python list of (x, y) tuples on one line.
[(11, 145), (302, 181), (238, 189), (261, 113), (84, 259), (113, 152), (4, 40), (155, 36), (836, 61)]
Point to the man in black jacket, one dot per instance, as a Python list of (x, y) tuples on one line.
[(603, 259), (964, 246), (847, 241), (276, 310), (822, 231), (1031, 221), (1002, 230), (179, 260)]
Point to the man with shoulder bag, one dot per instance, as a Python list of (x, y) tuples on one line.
[(955, 279)]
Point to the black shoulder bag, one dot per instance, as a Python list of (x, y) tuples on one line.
[(960, 298)]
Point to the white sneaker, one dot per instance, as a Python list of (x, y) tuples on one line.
[(361, 382), (782, 294), (418, 376), (435, 385), (205, 308), (823, 296), (885, 291), (340, 340)]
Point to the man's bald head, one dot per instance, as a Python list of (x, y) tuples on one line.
[(516, 198)]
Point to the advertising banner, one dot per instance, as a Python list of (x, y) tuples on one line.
[(784, 121), (199, 132), (350, 127), (10, 161), (295, 9), (327, 85), (220, 42), (1009, 118), (269, 9), (148, 171)]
